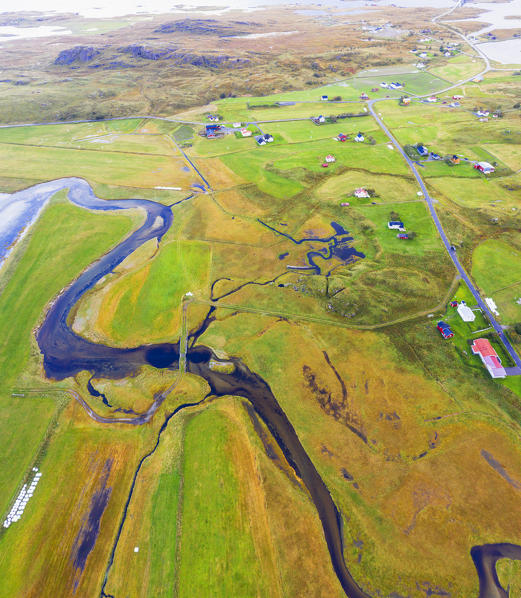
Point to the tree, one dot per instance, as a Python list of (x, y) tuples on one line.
[(394, 215), (411, 235), (517, 327)]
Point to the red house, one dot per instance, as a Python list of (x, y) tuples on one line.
[(489, 357), (445, 330), (484, 167)]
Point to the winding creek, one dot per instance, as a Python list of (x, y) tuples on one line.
[(66, 354)]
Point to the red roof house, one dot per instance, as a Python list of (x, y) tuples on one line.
[(489, 357)]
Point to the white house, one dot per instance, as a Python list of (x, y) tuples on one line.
[(245, 133), (359, 137), (361, 192), (396, 225), (485, 168), (466, 314), (330, 158)]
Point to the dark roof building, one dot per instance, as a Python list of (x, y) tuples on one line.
[(445, 330)]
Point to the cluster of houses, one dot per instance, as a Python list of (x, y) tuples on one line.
[(359, 137), (484, 114), (483, 167), (18, 508), (400, 227), (392, 85), (464, 311), (480, 346), (213, 131), (264, 139)]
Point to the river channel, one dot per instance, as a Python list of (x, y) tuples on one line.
[(66, 354)]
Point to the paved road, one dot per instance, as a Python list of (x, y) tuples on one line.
[(497, 327)]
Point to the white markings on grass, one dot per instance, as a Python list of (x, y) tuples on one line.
[(18, 508)]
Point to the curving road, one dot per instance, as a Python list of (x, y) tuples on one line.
[(412, 165), (452, 253)]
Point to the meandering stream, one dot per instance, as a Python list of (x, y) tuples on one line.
[(66, 354)]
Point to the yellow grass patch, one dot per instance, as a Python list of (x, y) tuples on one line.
[(219, 175)]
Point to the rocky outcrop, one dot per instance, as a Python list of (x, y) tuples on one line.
[(135, 53), (146, 53), (77, 54), (203, 27), (209, 61)]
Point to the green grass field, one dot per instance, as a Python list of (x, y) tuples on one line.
[(44, 163), (383, 405), (496, 265), (457, 68), (145, 304), (44, 265), (416, 219)]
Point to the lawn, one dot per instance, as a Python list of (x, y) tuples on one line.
[(458, 68), (415, 217), (388, 188), (43, 163), (496, 265), (236, 109), (219, 548), (294, 132), (143, 305), (474, 193), (65, 134), (508, 307), (419, 83)]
